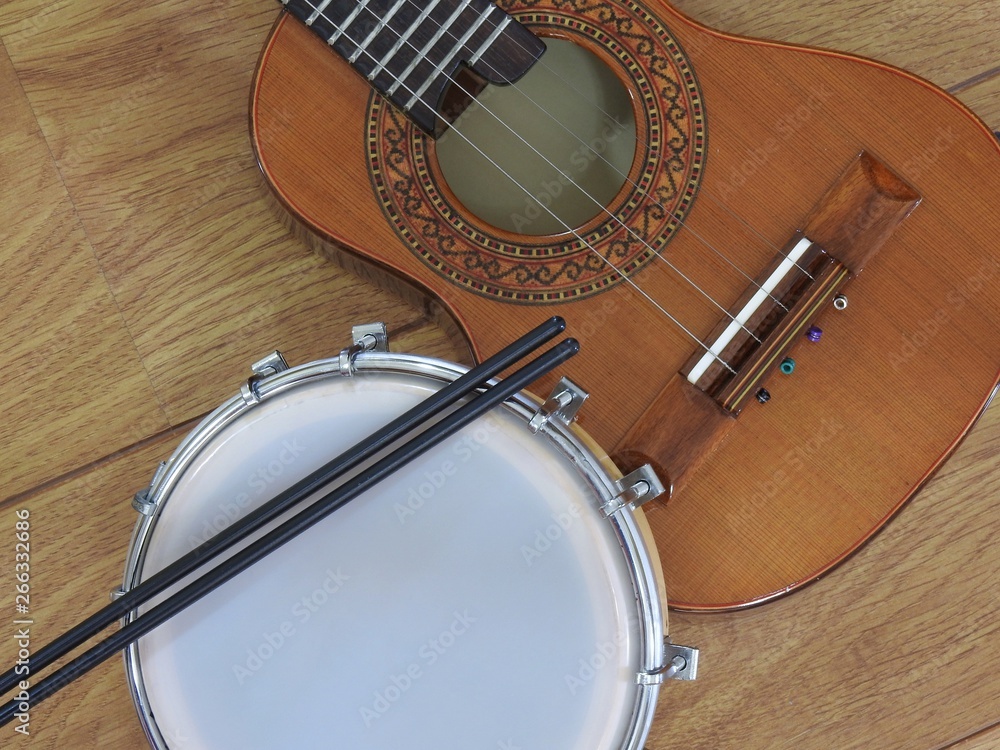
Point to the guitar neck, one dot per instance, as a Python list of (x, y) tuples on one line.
[(411, 51)]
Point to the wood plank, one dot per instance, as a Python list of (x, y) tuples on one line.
[(142, 108), (75, 378), (79, 536), (987, 739), (151, 141), (983, 98), (896, 647), (873, 650)]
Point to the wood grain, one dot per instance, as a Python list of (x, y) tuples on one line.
[(793, 489), (894, 649), (64, 336), (124, 139), (151, 142), (945, 43), (80, 530), (984, 99), (987, 739)]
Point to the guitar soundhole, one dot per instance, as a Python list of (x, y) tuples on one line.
[(546, 155), (493, 238)]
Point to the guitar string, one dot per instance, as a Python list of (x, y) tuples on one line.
[(583, 97), (443, 30), (626, 179), (600, 206), (624, 175), (342, 33)]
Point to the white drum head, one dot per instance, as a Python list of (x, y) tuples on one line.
[(475, 599)]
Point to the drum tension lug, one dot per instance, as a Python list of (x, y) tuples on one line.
[(270, 365), (634, 489), (563, 404), (141, 501), (681, 663), (369, 337)]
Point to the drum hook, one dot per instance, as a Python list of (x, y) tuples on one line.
[(682, 664), (368, 337)]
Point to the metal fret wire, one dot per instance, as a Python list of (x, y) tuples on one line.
[(342, 33), (601, 208), (583, 97)]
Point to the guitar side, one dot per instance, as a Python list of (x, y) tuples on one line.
[(870, 411)]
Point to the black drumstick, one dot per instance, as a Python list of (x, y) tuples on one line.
[(350, 459), (246, 557)]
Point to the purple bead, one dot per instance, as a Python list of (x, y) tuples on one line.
[(814, 333)]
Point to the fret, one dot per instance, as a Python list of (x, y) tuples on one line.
[(489, 41), (403, 39), (427, 47), (410, 49), (449, 58), (363, 47), (347, 22), (318, 12)]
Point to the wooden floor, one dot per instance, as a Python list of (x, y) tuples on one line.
[(142, 271)]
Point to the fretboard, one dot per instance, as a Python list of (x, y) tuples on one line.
[(411, 50)]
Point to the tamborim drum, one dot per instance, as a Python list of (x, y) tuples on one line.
[(478, 598)]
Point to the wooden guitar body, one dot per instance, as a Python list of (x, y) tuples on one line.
[(871, 410)]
